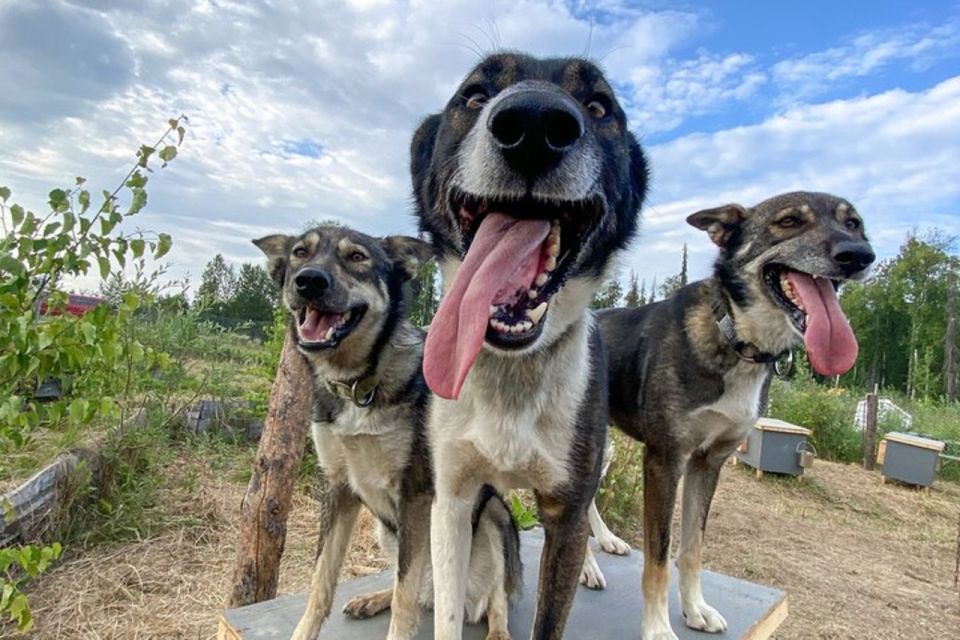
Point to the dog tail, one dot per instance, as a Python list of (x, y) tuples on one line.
[(492, 505)]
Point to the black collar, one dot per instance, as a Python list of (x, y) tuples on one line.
[(746, 351)]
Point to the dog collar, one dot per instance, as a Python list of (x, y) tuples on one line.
[(361, 391), (746, 351)]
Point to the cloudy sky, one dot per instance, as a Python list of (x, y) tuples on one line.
[(303, 111)]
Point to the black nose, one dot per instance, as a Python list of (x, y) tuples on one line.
[(534, 129), (853, 256), (312, 282)]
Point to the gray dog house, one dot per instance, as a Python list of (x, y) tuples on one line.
[(776, 446), (753, 611), (909, 458)]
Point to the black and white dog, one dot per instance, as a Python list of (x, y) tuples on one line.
[(689, 374), (344, 292), (529, 183)]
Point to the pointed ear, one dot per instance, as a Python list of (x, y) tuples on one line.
[(720, 222), (275, 247), (409, 254)]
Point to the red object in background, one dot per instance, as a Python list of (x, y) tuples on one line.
[(76, 305)]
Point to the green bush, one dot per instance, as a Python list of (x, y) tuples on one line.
[(827, 412)]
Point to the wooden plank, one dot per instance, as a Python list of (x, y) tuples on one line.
[(915, 441), (772, 424), (753, 612)]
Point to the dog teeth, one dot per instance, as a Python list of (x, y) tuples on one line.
[(551, 263), (532, 294), (537, 312), (541, 279), (329, 334), (493, 309), (345, 317)]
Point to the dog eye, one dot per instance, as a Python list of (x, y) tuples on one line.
[(790, 222), (599, 106), (300, 252), (852, 223), (357, 256), (475, 97)]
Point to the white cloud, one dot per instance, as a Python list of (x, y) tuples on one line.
[(918, 45)]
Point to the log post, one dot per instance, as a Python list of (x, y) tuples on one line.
[(870, 433), (267, 503)]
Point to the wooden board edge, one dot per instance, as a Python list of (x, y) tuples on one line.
[(765, 627), (225, 630)]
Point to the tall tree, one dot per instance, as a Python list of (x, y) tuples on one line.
[(217, 283), (950, 338), (608, 296), (425, 299), (683, 267), (653, 291), (255, 296), (632, 299)]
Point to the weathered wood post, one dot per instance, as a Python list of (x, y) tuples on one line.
[(870, 433), (266, 505)]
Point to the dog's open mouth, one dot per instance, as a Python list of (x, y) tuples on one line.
[(813, 308), (521, 299), (518, 254), (321, 329)]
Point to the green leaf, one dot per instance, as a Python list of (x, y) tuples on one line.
[(80, 180), (138, 202), (143, 155), (164, 242), (50, 229), (136, 246), (106, 226), (85, 225), (69, 220), (84, 199), (78, 410), (59, 200), (104, 267), (168, 153), (131, 300), (137, 180), (4, 193), (17, 214)]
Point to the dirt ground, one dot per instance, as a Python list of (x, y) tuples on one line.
[(858, 559)]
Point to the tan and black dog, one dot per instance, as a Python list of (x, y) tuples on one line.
[(345, 295), (688, 375), (529, 183)]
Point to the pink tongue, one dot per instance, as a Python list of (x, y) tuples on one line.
[(315, 324), (502, 259), (829, 340)]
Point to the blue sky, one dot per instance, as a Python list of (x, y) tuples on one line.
[(303, 111)]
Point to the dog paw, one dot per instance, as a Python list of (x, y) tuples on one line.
[(612, 544), (703, 617), (498, 635), (659, 633), (590, 575), (365, 606)]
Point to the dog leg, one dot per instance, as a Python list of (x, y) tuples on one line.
[(368, 605), (605, 538), (565, 538), (660, 480), (590, 575), (699, 485), (450, 541), (339, 509), (411, 562)]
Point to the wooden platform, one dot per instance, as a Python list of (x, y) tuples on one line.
[(753, 612)]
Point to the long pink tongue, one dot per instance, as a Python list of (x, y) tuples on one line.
[(829, 340), (503, 258)]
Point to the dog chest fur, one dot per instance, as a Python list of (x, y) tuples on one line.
[(526, 440), (730, 417), (369, 450)]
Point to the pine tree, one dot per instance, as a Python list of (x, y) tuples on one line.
[(608, 296), (217, 283), (683, 267), (632, 299)]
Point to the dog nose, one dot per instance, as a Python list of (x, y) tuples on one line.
[(853, 256), (533, 129), (312, 282)]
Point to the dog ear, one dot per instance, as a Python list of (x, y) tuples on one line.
[(275, 247), (719, 222), (409, 254), (421, 153)]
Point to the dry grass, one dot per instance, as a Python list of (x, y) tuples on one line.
[(858, 559)]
